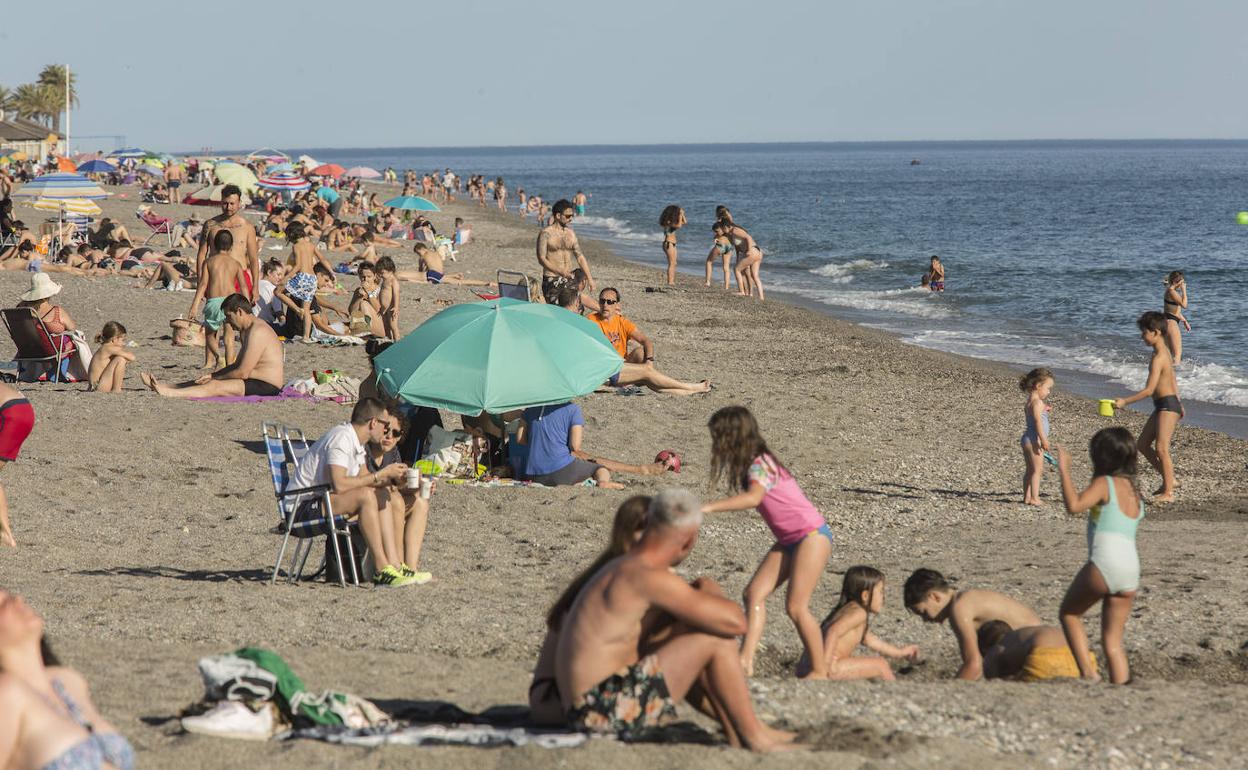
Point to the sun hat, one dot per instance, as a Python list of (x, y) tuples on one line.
[(41, 287)]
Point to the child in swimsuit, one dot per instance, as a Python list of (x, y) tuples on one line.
[(1112, 573), (1174, 301), (1163, 388), (108, 365), (1035, 441), (803, 538), (721, 248), (936, 275), (849, 625)]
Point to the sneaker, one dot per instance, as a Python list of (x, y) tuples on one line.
[(390, 577), (418, 578), (232, 719)]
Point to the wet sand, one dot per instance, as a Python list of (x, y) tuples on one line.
[(143, 526)]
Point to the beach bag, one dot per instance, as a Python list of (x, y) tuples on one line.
[(331, 560)]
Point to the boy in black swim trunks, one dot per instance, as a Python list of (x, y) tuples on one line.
[(1163, 387)]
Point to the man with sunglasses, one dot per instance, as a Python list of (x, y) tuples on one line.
[(619, 330), (557, 249)]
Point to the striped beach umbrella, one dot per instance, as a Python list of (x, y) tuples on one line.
[(79, 206), (362, 172), (147, 168), (62, 186), (411, 203), (286, 181), (128, 152)]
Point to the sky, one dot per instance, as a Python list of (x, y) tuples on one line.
[(177, 76)]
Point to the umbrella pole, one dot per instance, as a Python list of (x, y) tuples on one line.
[(68, 109)]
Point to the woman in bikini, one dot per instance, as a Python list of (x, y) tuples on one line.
[(55, 318), (671, 220), (749, 258), (1174, 302), (48, 717), (721, 248)]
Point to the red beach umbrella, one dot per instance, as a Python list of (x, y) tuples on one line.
[(328, 169)]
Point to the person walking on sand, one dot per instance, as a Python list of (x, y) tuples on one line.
[(257, 372), (246, 249), (1111, 575), (17, 420), (607, 686), (222, 274), (803, 539), (1163, 387), (671, 220), (557, 249), (1174, 302)]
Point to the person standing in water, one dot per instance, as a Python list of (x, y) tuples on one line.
[(579, 200), (671, 220), (935, 277), (1174, 302)]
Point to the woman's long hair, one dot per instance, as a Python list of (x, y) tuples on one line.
[(630, 518), (735, 442)]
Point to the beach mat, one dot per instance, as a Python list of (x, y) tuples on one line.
[(404, 734), (287, 394)]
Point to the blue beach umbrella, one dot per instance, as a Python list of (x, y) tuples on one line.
[(152, 170), (128, 152), (96, 167), (412, 203)]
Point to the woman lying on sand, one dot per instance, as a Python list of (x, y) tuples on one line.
[(48, 721)]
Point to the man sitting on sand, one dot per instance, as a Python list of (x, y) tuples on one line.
[(554, 457), (258, 370), (619, 330), (930, 596), (606, 685), (1032, 654), (631, 373)]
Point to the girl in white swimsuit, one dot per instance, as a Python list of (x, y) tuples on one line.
[(1112, 572)]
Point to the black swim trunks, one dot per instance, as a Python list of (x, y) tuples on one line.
[(551, 284), (1168, 404), (259, 388)]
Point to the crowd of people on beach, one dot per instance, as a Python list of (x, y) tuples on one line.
[(628, 638)]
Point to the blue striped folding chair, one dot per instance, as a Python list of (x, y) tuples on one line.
[(304, 514)]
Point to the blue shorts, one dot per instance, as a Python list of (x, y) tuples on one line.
[(824, 530), (614, 380)]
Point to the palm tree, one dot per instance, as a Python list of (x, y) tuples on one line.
[(53, 78), (6, 102), (32, 102)]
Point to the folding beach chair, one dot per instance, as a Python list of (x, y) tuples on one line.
[(515, 289), (159, 226), (306, 513), (35, 345)]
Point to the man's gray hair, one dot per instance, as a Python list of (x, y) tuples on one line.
[(677, 508)]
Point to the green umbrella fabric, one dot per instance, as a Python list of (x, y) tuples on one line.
[(233, 173), (497, 356)]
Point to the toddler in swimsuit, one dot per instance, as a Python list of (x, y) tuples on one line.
[(803, 539), (1037, 384), (1112, 572)]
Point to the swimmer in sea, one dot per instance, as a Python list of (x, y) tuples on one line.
[(936, 275)]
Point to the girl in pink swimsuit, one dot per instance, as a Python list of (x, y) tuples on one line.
[(803, 539)]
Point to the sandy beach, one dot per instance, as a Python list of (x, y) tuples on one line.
[(143, 526)]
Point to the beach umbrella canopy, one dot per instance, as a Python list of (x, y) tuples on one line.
[(280, 167), (128, 152), (211, 195), (96, 167), (412, 202), (79, 206), (328, 169), (283, 180), (65, 164), (497, 356), (62, 186), (153, 170), (362, 172), (233, 173), (268, 154)]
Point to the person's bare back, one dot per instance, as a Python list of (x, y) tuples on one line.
[(224, 273)]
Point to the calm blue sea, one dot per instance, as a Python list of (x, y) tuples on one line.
[(1052, 248)]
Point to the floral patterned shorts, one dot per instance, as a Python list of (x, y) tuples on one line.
[(633, 699)]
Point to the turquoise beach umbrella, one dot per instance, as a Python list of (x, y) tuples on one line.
[(411, 202), (497, 356)]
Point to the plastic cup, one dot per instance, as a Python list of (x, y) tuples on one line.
[(426, 489), (413, 478), (1106, 407)]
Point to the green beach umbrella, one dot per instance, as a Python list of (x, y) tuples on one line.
[(497, 356), (233, 173), (411, 203)]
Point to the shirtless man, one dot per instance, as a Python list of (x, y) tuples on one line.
[(174, 176), (930, 596), (579, 200), (258, 370), (246, 249), (557, 248), (604, 683)]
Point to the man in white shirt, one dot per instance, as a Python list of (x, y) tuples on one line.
[(337, 459)]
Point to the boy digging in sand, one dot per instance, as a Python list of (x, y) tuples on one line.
[(930, 596), (221, 274)]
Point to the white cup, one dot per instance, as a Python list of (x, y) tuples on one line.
[(426, 489), (413, 478)]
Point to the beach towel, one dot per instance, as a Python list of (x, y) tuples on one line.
[(485, 736), (286, 394)]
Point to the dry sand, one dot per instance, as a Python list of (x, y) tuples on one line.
[(144, 537)]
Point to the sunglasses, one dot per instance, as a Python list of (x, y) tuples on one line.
[(394, 432), (610, 302)]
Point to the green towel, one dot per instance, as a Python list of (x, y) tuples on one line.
[(292, 696)]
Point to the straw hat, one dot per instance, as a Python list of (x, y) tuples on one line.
[(41, 287)]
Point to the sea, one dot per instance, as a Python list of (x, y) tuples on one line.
[(1051, 249)]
